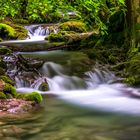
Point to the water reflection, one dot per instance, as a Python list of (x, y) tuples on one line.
[(60, 121)]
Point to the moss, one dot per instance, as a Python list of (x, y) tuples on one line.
[(9, 89), (2, 71), (2, 95), (132, 70), (20, 96), (44, 87), (21, 32), (56, 37), (34, 96), (4, 51), (2, 64), (21, 21), (7, 79), (6, 31), (76, 26), (69, 37)]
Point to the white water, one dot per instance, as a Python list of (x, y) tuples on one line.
[(38, 32), (96, 91)]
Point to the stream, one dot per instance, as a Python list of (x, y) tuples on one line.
[(84, 101)]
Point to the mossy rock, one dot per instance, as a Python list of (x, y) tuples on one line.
[(76, 26), (34, 96), (55, 37), (6, 31), (2, 71), (2, 64), (69, 37), (4, 51), (21, 21), (132, 70), (20, 96), (9, 89), (2, 95), (44, 87), (7, 79), (21, 32)]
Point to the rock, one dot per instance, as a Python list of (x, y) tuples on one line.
[(5, 51), (16, 105), (76, 26), (6, 31)]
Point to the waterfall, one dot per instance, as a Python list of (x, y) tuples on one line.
[(39, 32), (96, 90)]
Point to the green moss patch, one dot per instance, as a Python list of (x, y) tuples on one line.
[(2, 95), (6, 31), (34, 96), (76, 26), (6, 79), (132, 70), (9, 89)]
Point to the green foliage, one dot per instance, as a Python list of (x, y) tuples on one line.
[(92, 12)]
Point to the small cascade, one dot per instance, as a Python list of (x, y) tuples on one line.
[(97, 89), (39, 32)]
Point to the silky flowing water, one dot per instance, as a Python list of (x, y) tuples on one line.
[(84, 102)]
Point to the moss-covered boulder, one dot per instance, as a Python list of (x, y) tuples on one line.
[(34, 96), (7, 79), (9, 89), (2, 85), (76, 26), (2, 64), (2, 71), (20, 31), (69, 37), (2, 95), (5, 51), (44, 86), (6, 31), (132, 70)]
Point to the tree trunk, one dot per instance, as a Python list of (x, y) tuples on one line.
[(133, 20)]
